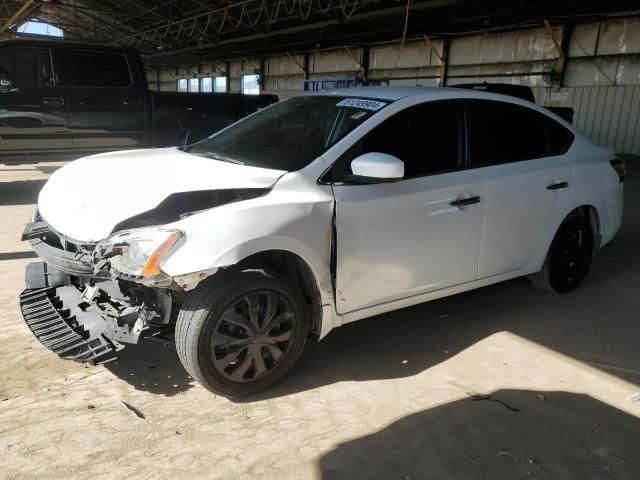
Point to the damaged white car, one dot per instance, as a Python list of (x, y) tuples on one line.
[(314, 212)]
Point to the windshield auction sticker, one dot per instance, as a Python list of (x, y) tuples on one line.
[(361, 103)]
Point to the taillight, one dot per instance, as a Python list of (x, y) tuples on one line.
[(620, 167)]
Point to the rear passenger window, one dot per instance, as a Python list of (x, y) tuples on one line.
[(427, 138), (559, 138), (98, 69), (501, 132)]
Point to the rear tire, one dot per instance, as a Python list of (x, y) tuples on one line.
[(568, 258), (240, 332)]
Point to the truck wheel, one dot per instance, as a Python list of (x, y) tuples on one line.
[(240, 332), (568, 258)]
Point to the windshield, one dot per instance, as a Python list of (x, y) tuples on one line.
[(290, 134)]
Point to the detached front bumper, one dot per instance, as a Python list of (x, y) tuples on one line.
[(89, 320), (54, 317)]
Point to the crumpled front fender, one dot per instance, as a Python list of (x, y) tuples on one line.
[(292, 217)]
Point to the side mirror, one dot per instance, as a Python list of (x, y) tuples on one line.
[(376, 167), (6, 83)]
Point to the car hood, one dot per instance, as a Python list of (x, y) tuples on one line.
[(87, 198)]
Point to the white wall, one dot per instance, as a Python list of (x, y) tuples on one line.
[(602, 79)]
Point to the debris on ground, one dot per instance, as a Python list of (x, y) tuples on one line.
[(481, 396), (635, 397), (91, 407), (541, 397), (133, 409)]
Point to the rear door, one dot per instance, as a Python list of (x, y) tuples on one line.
[(528, 182), (107, 107), (396, 240), (33, 111)]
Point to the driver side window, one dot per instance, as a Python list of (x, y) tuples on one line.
[(428, 138)]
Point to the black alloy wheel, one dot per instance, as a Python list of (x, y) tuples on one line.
[(570, 255), (568, 258), (253, 335), (239, 332)]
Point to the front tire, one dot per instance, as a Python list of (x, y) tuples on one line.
[(568, 258), (240, 332)]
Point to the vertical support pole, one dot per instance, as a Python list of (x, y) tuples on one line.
[(263, 75), (157, 79), (444, 64), (365, 64), (442, 58), (567, 32), (227, 67), (559, 68), (305, 66)]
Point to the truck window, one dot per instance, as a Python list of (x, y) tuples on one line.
[(97, 69), (27, 67)]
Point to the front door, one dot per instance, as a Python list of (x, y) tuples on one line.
[(396, 240), (33, 110)]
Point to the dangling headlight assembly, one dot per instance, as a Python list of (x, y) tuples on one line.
[(138, 253)]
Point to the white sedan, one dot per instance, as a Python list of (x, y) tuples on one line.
[(314, 212)]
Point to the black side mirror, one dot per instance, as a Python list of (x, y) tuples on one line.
[(6, 83)]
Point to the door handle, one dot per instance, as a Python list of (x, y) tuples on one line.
[(53, 101), (463, 202), (558, 186)]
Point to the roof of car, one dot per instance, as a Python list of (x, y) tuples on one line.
[(396, 93), (382, 93)]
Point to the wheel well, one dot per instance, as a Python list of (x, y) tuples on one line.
[(290, 266), (590, 213)]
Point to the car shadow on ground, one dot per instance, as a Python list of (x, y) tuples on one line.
[(511, 435), (406, 342), (152, 366), (21, 192)]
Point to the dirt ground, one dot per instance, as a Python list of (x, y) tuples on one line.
[(502, 382)]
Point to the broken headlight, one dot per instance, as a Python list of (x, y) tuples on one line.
[(140, 252)]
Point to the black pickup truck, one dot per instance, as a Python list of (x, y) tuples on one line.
[(60, 99), (520, 91)]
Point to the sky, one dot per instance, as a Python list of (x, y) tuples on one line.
[(40, 28)]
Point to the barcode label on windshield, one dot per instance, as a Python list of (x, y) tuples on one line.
[(361, 103)]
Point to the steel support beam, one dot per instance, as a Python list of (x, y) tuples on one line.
[(15, 16)]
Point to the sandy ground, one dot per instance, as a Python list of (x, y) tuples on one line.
[(503, 382)]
